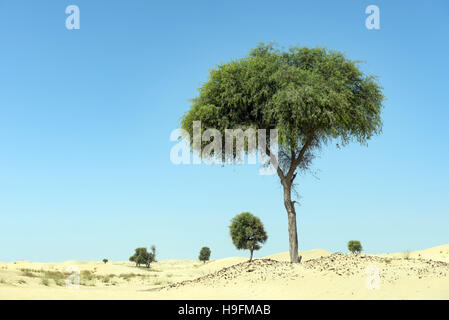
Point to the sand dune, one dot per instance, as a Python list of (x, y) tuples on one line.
[(421, 274), (439, 253)]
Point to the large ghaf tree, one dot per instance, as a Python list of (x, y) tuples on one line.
[(311, 96)]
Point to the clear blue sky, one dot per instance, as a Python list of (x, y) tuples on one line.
[(86, 115)]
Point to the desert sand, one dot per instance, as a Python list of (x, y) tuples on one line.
[(321, 275)]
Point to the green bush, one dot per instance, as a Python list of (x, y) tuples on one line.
[(407, 255), (247, 232), (45, 282), (204, 254), (28, 274), (355, 246), (153, 251), (142, 256)]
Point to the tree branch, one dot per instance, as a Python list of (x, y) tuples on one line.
[(275, 163), (296, 161), (293, 177)]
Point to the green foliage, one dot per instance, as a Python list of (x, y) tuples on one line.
[(105, 261), (59, 282), (87, 275), (142, 256), (355, 246), (406, 255), (247, 232), (45, 282), (153, 251), (307, 94), (28, 274), (57, 276), (204, 254)]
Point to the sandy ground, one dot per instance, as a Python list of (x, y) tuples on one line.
[(321, 275)]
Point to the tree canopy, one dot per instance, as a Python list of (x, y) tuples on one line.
[(142, 256), (355, 246), (204, 254), (309, 95), (247, 232)]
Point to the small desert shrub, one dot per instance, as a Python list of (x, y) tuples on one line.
[(21, 281), (87, 275), (87, 283), (407, 255), (28, 274), (157, 283), (25, 270), (59, 282), (153, 251), (204, 254), (387, 260), (55, 275), (355, 246), (126, 277), (2, 281)]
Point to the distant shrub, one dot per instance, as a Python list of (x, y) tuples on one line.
[(153, 251), (59, 282), (28, 274), (86, 275), (355, 246), (105, 261), (407, 255), (45, 282), (142, 256), (54, 275), (204, 254)]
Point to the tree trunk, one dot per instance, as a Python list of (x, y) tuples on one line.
[(292, 231), (251, 255)]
